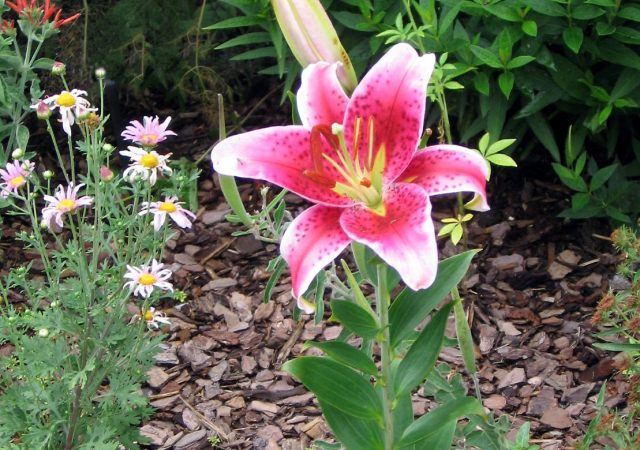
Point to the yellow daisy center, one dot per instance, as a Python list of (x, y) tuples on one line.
[(17, 181), (66, 99), (149, 161), (167, 207), (149, 139), (147, 279), (66, 204), (148, 315)]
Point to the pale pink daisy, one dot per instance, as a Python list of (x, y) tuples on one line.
[(61, 203), (154, 318), (145, 164), (169, 207), (14, 175), (71, 106), (148, 133), (144, 279)]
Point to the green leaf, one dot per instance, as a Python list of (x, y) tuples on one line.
[(613, 51), (430, 424), (43, 63), (246, 39), (235, 22), (354, 318), (580, 200), (481, 83), (617, 347), (630, 12), (572, 37), (22, 136), (487, 57), (456, 234), (530, 28), (352, 432), (273, 279), (505, 81), (502, 160), (569, 178), (359, 297), (337, 385), (483, 144), (604, 114), (347, 355), (412, 307), (543, 132), (601, 176), (520, 61), (423, 354), (547, 7), (499, 146), (443, 438), (264, 52), (586, 12)]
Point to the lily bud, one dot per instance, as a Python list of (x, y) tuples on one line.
[(312, 38)]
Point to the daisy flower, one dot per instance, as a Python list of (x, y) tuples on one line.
[(61, 203), (144, 279), (148, 133), (145, 164), (14, 175), (154, 319), (71, 106), (169, 207)]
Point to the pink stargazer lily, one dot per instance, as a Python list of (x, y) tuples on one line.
[(357, 158)]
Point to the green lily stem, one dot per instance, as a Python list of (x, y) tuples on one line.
[(383, 302), (465, 341), (230, 191)]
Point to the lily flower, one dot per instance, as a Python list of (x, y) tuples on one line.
[(312, 38), (357, 159)]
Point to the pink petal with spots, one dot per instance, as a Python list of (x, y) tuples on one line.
[(393, 93), (312, 241), (321, 99), (444, 169), (404, 238), (279, 155)]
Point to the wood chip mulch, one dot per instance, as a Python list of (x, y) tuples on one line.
[(531, 293)]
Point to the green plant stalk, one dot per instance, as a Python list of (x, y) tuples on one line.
[(383, 301), (228, 184), (465, 340)]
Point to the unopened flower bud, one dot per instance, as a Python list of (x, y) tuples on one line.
[(100, 73), (106, 174), (58, 68), (43, 111), (18, 153), (107, 147), (43, 332), (47, 174)]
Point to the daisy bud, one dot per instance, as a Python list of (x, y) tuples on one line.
[(47, 174), (58, 68), (106, 174), (43, 111), (43, 332), (17, 153), (108, 147), (100, 73)]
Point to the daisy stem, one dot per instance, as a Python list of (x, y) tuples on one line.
[(57, 149), (383, 302)]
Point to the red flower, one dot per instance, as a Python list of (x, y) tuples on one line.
[(6, 26), (40, 14)]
